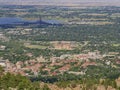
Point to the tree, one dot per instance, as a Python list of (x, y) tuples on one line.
[(46, 87), (1, 71), (17, 82)]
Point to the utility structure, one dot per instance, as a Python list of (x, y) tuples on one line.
[(39, 19)]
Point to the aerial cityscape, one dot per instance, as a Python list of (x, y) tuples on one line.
[(59, 45)]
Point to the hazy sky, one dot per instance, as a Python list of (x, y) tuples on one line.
[(55, 1), (61, 0)]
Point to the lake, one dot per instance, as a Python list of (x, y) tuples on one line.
[(17, 20)]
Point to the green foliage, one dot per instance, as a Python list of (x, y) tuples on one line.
[(17, 81), (63, 84), (103, 71), (87, 83), (1, 71), (46, 87), (44, 72)]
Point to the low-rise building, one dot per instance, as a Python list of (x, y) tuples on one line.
[(3, 63), (2, 47)]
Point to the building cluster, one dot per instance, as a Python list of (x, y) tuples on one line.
[(3, 37), (56, 65)]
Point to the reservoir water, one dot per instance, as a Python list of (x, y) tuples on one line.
[(15, 20)]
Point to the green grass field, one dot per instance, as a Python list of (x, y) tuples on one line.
[(116, 45)]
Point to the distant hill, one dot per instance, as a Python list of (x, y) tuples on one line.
[(63, 2)]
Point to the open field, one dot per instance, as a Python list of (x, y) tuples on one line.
[(57, 45), (64, 45), (116, 45), (36, 47)]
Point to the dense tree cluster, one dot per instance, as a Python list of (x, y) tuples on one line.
[(10, 81)]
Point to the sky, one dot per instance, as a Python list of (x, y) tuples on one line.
[(60, 0), (63, 0), (56, 1)]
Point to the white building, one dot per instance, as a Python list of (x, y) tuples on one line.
[(3, 63), (2, 47)]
